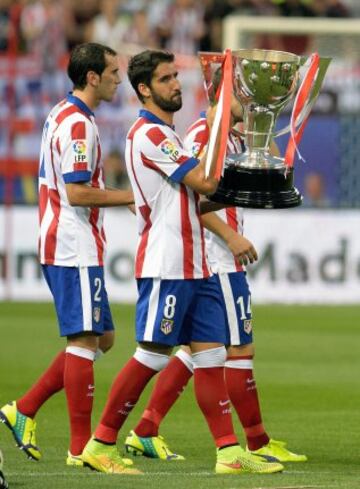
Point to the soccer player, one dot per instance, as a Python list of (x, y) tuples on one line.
[(240, 382), (72, 248), (179, 301)]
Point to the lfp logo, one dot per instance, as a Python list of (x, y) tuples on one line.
[(79, 147), (170, 149)]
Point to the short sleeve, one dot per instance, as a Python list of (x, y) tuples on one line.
[(196, 138), (77, 148), (163, 151)]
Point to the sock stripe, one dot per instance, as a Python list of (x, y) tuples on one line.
[(186, 359), (241, 364), (81, 352)]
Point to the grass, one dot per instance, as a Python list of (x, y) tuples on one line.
[(308, 375)]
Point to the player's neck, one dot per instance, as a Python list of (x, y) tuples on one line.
[(86, 97), (167, 117)]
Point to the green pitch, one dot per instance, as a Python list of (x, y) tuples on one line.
[(308, 375)]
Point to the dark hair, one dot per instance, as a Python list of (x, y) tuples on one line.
[(87, 57), (142, 66), (217, 78)]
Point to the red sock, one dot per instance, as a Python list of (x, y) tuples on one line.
[(242, 390), (214, 402), (169, 385), (51, 381), (124, 394), (79, 388)]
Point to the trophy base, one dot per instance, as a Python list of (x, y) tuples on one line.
[(257, 188)]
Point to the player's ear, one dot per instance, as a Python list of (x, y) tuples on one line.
[(144, 90), (92, 78)]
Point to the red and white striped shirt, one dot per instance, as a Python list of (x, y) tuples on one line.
[(220, 257), (171, 237), (70, 153)]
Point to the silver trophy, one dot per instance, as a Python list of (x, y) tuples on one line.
[(264, 82)]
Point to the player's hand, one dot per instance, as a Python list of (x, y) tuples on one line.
[(242, 249)]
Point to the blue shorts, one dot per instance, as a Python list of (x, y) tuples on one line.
[(176, 312), (80, 299), (237, 306)]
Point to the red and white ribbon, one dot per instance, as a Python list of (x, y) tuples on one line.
[(222, 117), (299, 104)]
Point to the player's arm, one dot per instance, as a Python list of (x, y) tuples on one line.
[(76, 145), (239, 246), (83, 195), (206, 206), (196, 178)]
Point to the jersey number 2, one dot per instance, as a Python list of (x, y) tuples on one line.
[(97, 295)]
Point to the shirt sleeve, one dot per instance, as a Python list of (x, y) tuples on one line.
[(77, 146), (163, 151), (196, 138)]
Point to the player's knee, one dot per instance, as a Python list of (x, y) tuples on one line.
[(106, 341), (214, 357), (155, 361), (83, 340), (241, 350)]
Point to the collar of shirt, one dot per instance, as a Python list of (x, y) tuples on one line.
[(153, 118), (80, 104)]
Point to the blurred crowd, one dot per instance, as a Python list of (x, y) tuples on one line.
[(49, 28)]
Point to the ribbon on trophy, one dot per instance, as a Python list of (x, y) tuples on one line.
[(299, 104), (222, 116)]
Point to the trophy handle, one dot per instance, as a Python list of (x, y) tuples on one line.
[(323, 66)]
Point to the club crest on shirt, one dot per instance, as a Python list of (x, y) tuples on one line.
[(170, 149), (247, 326), (166, 326), (96, 314)]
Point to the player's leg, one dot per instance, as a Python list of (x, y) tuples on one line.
[(19, 415), (157, 329), (243, 393), (239, 365), (83, 313), (239, 375), (170, 384), (208, 335), (52, 380)]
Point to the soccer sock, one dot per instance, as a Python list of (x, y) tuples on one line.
[(51, 381), (126, 390), (212, 396), (79, 389), (169, 386), (242, 390)]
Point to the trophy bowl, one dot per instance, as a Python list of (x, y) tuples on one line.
[(264, 81)]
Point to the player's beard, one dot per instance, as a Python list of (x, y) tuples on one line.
[(172, 105)]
